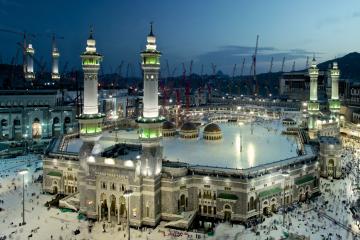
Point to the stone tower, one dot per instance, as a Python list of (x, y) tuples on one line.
[(29, 68), (150, 132), (313, 104), (90, 125), (55, 61), (334, 102)]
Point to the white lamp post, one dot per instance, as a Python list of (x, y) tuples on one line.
[(23, 172), (127, 194)]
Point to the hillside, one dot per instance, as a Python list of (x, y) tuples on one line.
[(349, 66)]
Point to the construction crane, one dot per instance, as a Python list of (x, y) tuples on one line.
[(187, 93), (283, 64), (241, 74), (293, 67), (256, 89), (167, 69), (14, 62), (213, 67), (271, 64), (267, 85), (242, 68), (231, 82), (26, 36), (307, 62), (119, 73), (188, 86), (201, 75), (65, 67)]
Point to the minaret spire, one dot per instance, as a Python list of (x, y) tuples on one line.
[(91, 32), (151, 29)]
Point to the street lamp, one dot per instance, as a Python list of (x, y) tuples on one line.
[(285, 175), (127, 194), (23, 172)]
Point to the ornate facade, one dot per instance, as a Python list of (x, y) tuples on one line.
[(98, 177)]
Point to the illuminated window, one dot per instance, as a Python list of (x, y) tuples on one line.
[(134, 212)]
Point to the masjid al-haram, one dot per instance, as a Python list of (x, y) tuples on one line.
[(86, 154)]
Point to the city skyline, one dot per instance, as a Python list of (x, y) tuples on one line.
[(205, 32)]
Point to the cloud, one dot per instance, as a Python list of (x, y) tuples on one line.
[(328, 21), (356, 14), (226, 56)]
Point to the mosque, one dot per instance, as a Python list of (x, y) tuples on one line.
[(212, 172)]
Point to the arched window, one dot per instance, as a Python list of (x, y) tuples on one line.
[(67, 120), (252, 203)]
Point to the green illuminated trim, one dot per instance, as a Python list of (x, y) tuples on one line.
[(151, 60), (91, 116), (90, 130), (90, 61), (334, 104), (313, 106), (159, 119), (54, 174), (148, 133)]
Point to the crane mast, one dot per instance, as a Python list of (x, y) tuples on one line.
[(271, 64), (283, 64), (293, 67), (255, 82), (231, 82)]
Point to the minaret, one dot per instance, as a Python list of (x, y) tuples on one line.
[(90, 126), (150, 133), (55, 61), (313, 105), (150, 123), (334, 102), (29, 69), (90, 120)]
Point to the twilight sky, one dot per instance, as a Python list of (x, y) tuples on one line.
[(206, 31)]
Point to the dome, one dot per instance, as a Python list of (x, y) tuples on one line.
[(212, 131), (189, 131), (212, 127), (288, 120), (188, 126), (168, 125)]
